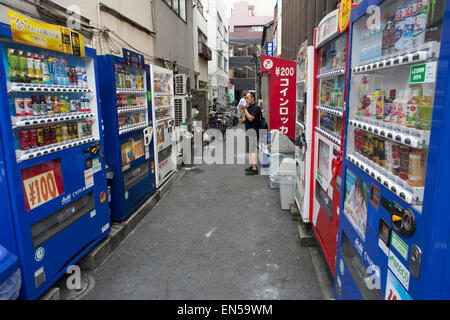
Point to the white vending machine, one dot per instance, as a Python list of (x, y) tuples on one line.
[(304, 127), (163, 122)]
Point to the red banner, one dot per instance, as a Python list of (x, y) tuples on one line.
[(283, 94)]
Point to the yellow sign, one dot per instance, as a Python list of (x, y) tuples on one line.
[(345, 10), (43, 35)]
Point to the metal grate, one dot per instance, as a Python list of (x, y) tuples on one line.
[(178, 112)]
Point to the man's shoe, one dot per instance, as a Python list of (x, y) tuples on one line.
[(252, 173), (249, 169)]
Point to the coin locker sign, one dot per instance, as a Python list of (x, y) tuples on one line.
[(48, 36)]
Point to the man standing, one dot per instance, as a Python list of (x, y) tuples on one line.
[(253, 117)]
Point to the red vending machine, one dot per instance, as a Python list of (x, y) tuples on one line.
[(331, 44)]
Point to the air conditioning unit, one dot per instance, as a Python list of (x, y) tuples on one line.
[(182, 109), (182, 85)]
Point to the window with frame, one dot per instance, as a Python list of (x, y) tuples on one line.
[(179, 7), (239, 51)]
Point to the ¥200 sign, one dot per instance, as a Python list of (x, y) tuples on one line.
[(283, 75)]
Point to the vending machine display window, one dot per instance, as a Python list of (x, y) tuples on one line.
[(392, 95)]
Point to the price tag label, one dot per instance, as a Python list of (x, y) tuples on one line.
[(41, 189)]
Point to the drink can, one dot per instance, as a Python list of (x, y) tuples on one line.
[(59, 134), (70, 130), (28, 107), (47, 136), (65, 133), (53, 134), (20, 107), (381, 152), (40, 137), (24, 140), (33, 138), (75, 131), (375, 151)]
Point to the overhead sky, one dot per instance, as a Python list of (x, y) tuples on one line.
[(262, 7)]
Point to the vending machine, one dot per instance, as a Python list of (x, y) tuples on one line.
[(53, 150), (331, 44), (394, 228), (304, 125), (128, 131), (163, 122)]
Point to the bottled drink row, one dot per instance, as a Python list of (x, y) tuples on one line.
[(331, 96), (29, 67), (50, 105), (128, 79), (131, 119), (402, 161), (404, 29), (49, 135), (130, 100), (411, 108)]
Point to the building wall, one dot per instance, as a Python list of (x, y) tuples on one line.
[(200, 63), (246, 30), (218, 43), (299, 18), (135, 10), (175, 39)]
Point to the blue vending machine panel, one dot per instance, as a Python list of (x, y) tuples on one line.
[(53, 150), (394, 224), (128, 133)]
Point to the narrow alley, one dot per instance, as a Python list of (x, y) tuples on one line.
[(216, 235)]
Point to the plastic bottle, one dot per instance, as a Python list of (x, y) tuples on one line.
[(425, 117), (50, 105), (401, 105), (87, 104), (412, 112), (388, 107), (13, 61), (56, 105), (42, 106), (22, 67), (38, 69), (381, 101), (30, 68), (45, 71), (36, 106), (416, 173)]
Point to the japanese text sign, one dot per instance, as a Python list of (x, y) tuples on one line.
[(283, 94)]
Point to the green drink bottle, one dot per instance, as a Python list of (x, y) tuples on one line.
[(13, 61)]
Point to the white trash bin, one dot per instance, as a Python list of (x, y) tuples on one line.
[(287, 172)]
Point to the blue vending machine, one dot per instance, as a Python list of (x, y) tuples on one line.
[(394, 227), (127, 131), (53, 159)]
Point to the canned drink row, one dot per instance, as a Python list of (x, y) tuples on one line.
[(49, 135)]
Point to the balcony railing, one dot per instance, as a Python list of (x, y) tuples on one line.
[(204, 51)]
